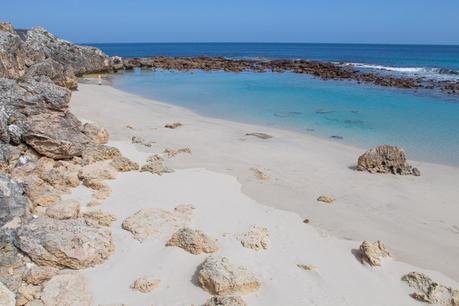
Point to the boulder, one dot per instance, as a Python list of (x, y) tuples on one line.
[(429, 291), (99, 218), (13, 202), (386, 159), (256, 238), (55, 71), (69, 289), (124, 164), (64, 243), (40, 192), (145, 284), (67, 209), (219, 276), (154, 221), (37, 275), (13, 263), (225, 301), (373, 252), (98, 135), (193, 241), (7, 297), (117, 63), (62, 175)]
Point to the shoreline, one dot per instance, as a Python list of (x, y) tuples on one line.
[(296, 178)]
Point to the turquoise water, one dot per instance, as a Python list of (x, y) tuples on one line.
[(426, 125)]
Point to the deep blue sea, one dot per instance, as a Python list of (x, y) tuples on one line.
[(425, 123)]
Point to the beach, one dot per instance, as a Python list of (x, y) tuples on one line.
[(235, 180)]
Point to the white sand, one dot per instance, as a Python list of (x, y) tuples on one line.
[(417, 217)]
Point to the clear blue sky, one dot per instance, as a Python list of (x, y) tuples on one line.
[(356, 21)]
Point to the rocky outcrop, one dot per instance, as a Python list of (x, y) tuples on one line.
[(256, 238), (373, 252), (193, 241), (154, 221), (64, 243), (145, 284), (225, 301), (98, 135), (99, 152), (98, 171), (431, 292), (13, 202), (68, 289), (7, 297), (386, 159), (219, 276)]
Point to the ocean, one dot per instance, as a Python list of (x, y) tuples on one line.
[(425, 123)]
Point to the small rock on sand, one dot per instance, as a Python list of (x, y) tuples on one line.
[(193, 241), (219, 276), (173, 125), (326, 199), (145, 284), (174, 152), (256, 238), (259, 135), (141, 141), (225, 301), (373, 252), (260, 174), (306, 267), (99, 217), (156, 167), (429, 291)]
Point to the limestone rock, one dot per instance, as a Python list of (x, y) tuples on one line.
[(64, 243), (225, 301), (256, 238), (98, 135), (220, 276), (7, 297), (174, 152), (62, 175), (69, 289), (145, 284), (37, 275), (99, 217), (40, 192), (98, 171), (27, 293), (173, 125), (193, 241), (386, 159), (431, 292), (99, 152), (156, 167), (373, 252), (153, 221), (326, 199), (67, 209), (123, 164), (13, 202), (55, 71)]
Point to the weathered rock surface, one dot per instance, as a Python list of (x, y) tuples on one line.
[(64, 243), (326, 199), (99, 217), (41, 193), (145, 284), (67, 209), (141, 141), (431, 292), (37, 275), (7, 297), (55, 71), (156, 167), (69, 289), (98, 152), (386, 159), (62, 175), (98, 135), (373, 252), (225, 301), (27, 293), (98, 171), (13, 202), (154, 221), (193, 241), (220, 276), (256, 238), (124, 164)]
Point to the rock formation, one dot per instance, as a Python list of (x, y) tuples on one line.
[(193, 241), (431, 292), (386, 159), (13, 202), (373, 252), (219, 276), (256, 238), (124, 164)]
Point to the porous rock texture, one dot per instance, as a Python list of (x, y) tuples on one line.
[(193, 241), (145, 284), (429, 291), (256, 238), (373, 252), (67, 289)]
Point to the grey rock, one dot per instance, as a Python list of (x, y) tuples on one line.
[(13, 202)]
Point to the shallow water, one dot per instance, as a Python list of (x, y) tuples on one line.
[(427, 126)]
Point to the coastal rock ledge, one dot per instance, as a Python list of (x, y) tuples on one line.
[(386, 159)]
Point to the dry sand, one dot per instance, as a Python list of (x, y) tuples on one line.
[(415, 216)]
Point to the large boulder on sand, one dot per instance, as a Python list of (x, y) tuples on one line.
[(220, 276), (64, 243), (386, 159)]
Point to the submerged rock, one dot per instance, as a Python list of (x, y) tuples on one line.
[(193, 241), (220, 276), (431, 292), (386, 159), (373, 252)]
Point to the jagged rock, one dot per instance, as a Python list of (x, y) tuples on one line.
[(124, 164), (98, 135), (62, 175), (326, 199), (64, 243), (173, 125), (7, 297), (263, 136), (55, 135), (37, 275), (27, 293), (12, 263), (173, 152), (69, 289), (97, 171), (67, 209), (386, 159), (193, 241), (99, 217), (13, 202), (220, 276), (431, 292), (255, 238), (13, 54), (55, 71), (156, 167), (141, 141), (41, 193), (117, 63), (99, 152), (260, 174), (373, 252), (9, 156), (154, 221), (225, 301), (145, 284)]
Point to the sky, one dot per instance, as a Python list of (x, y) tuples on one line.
[(328, 21)]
